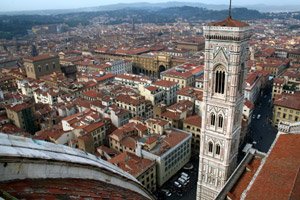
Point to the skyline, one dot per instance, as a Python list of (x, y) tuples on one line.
[(30, 5)]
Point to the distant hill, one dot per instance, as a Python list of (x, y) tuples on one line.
[(157, 6), (18, 25)]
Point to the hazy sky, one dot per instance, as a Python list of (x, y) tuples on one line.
[(15, 5)]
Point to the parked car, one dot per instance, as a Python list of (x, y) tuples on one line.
[(168, 194), (186, 178), (184, 174), (177, 184), (258, 116), (182, 181)]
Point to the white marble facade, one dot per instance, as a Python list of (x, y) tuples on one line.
[(226, 50)]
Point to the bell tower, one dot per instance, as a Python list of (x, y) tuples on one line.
[(226, 53)]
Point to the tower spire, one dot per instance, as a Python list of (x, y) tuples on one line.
[(229, 9)]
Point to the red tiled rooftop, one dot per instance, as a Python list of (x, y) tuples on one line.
[(165, 83), (18, 107), (131, 163), (194, 120), (249, 104), (67, 189), (41, 57), (229, 22), (278, 177), (174, 137), (288, 101), (93, 126), (244, 180)]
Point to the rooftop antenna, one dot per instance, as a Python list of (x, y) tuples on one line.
[(230, 9)]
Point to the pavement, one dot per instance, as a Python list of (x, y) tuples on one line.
[(261, 130)]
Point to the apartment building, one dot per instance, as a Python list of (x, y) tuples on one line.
[(286, 109), (170, 88)]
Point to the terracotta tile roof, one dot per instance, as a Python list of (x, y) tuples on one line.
[(151, 88), (158, 121), (13, 130), (67, 189), (107, 150), (194, 120), (124, 130), (181, 106), (151, 139), (288, 101), (93, 126), (249, 104), (41, 57), (131, 163), (130, 100), (244, 180), (252, 77), (171, 115), (279, 81), (165, 83), (229, 22), (129, 142), (18, 107), (49, 134), (173, 137), (191, 92), (279, 176)]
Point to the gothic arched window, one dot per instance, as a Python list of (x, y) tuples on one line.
[(220, 121), (212, 119), (220, 79), (210, 147), (218, 149)]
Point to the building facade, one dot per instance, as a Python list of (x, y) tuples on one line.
[(226, 53), (41, 65)]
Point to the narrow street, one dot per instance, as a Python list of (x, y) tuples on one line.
[(262, 133)]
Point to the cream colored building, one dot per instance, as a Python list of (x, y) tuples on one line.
[(156, 125), (136, 105), (86, 122), (181, 76), (152, 93), (170, 88)]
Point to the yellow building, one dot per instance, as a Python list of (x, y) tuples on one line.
[(192, 125), (286, 109)]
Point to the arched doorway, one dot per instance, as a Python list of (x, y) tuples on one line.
[(161, 69)]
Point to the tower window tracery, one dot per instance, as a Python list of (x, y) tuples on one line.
[(218, 149), (212, 119), (220, 79), (220, 121), (210, 147)]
